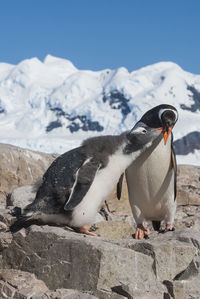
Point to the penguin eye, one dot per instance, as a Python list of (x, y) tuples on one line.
[(144, 131)]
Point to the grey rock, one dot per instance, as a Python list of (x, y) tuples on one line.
[(108, 269), (6, 217), (3, 226), (172, 258), (188, 216), (64, 259), (186, 289), (172, 253), (20, 167), (190, 236), (21, 285), (103, 294), (155, 290), (66, 294), (188, 192), (5, 240), (1, 261), (22, 196)]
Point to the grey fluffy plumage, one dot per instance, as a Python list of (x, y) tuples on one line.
[(54, 189)]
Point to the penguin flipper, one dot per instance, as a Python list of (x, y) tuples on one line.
[(119, 186), (83, 180)]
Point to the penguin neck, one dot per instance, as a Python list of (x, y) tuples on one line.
[(126, 154), (134, 154), (121, 159)]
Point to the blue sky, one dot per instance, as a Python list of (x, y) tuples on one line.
[(99, 34)]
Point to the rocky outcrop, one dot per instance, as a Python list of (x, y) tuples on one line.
[(20, 167), (129, 268), (24, 285), (18, 284), (188, 185)]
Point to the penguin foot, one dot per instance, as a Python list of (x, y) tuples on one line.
[(85, 230), (141, 232), (168, 228)]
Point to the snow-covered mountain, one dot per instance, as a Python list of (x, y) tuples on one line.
[(52, 106)]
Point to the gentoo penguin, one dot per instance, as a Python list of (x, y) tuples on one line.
[(151, 178), (77, 183)]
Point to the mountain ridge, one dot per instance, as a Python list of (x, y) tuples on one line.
[(52, 106)]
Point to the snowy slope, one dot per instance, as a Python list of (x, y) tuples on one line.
[(52, 106)]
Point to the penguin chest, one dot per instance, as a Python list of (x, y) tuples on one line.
[(151, 182), (102, 185)]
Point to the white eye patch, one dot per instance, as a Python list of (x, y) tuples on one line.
[(140, 129)]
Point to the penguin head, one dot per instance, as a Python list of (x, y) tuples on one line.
[(162, 117), (140, 137)]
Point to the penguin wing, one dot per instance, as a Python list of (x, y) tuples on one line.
[(119, 186), (83, 180), (174, 166)]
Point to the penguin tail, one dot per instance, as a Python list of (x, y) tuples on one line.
[(156, 225), (23, 221)]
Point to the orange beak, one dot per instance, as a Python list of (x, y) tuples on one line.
[(165, 133)]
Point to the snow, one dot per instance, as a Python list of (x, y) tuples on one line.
[(191, 159), (31, 91)]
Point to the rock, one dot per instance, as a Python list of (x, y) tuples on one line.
[(5, 240), (185, 289), (67, 294), (6, 217), (130, 291), (124, 268), (174, 254), (169, 261), (107, 269), (103, 294), (22, 285), (54, 255), (3, 226), (119, 207), (188, 216), (22, 196), (188, 192), (19, 284), (20, 167), (114, 229)]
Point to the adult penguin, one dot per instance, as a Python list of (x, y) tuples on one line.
[(77, 183), (151, 178)]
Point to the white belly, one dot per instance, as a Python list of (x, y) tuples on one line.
[(103, 184), (150, 182)]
